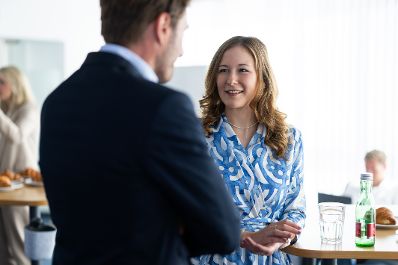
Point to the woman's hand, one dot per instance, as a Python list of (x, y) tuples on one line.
[(256, 248), (270, 238), (278, 232)]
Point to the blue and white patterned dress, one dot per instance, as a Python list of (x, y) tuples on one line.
[(265, 188)]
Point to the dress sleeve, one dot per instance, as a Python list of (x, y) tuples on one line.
[(178, 160), (295, 200), (25, 122)]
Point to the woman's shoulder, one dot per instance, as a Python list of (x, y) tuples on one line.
[(26, 108), (29, 105), (295, 145), (294, 134)]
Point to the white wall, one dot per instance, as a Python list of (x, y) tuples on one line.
[(3, 52), (41, 61), (190, 80), (75, 23)]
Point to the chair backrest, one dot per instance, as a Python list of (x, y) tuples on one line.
[(323, 197)]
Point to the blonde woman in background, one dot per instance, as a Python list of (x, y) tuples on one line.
[(19, 128)]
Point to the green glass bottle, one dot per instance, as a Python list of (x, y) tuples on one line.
[(365, 214)]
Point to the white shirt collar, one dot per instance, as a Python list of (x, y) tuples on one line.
[(142, 66)]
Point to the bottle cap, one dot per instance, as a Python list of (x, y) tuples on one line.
[(367, 176)]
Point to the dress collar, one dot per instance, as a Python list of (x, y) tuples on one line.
[(224, 126)]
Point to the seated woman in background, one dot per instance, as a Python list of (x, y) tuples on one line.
[(19, 128), (259, 156)]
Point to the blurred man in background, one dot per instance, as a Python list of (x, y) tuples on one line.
[(384, 192)]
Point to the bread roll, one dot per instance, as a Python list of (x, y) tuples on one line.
[(5, 181), (17, 176), (11, 175), (32, 173), (385, 216), (8, 173)]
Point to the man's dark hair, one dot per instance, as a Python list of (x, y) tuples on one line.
[(124, 21)]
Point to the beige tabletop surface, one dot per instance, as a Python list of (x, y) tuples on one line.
[(29, 196), (309, 244)]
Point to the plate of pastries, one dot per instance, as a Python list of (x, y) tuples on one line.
[(10, 181), (385, 218), (32, 177)]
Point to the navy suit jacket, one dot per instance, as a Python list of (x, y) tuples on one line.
[(127, 172)]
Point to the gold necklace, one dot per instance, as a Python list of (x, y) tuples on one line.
[(241, 128)]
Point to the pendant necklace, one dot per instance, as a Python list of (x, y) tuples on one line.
[(243, 128)]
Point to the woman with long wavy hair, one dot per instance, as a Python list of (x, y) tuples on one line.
[(259, 156)]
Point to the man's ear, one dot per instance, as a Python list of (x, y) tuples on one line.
[(163, 28)]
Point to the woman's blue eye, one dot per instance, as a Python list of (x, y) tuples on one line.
[(243, 70), (222, 70)]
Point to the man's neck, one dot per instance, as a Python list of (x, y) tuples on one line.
[(146, 47), (378, 182), (144, 52)]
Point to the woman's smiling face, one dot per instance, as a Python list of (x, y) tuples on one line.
[(237, 78)]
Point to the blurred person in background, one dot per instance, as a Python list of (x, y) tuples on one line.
[(123, 158), (384, 191), (19, 129), (259, 156)]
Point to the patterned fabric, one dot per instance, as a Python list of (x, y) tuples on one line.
[(264, 187)]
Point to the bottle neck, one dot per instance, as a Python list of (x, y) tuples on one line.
[(366, 186)]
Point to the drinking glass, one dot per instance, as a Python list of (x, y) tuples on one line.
[(331, 221)]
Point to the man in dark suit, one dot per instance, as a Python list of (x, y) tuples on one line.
[(125, 165)]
